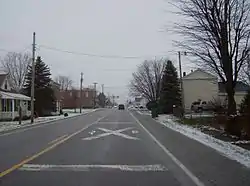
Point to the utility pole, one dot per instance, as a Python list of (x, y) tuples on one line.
[(33, 78), (103, 88), (113, 98), (95, 95), (81, 80), (181, 82)]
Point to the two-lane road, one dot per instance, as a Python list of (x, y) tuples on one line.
[(106, 147)]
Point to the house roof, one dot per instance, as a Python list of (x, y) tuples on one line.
[(239, 87), (9, 95), (199, 70)]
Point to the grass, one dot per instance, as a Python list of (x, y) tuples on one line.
[(197, 121)]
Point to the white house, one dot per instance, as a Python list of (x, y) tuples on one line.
[(11, 101), (202, 85)]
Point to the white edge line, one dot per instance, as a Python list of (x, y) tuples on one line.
[(38, 125), (185, 169), (130, 168)]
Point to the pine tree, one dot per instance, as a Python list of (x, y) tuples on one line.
[(170, 90), (44, 94), (101, 99)]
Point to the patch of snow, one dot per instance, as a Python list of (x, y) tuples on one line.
[(210, 128), (10, 125), (226, 148), (148, 113), (201, 115), (241, 142)]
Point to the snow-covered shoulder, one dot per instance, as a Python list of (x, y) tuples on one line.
[(226, 148)]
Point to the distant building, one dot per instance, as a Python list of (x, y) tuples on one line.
[(140, 101), (71, 98)]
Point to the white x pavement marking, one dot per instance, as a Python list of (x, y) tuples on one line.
[(112, 132)]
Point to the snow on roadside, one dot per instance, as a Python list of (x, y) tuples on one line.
[(143, 112), (226, 148), (10, 125)]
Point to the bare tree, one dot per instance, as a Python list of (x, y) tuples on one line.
[(217, 32), (146, 81), (64, 81), (16, 65)]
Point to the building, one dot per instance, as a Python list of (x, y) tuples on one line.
[(140, 101), (10, 101), (71, 98), (202, 85)]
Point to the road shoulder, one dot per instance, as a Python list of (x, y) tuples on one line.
[(206, 163)]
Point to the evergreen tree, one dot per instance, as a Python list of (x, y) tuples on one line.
[(170, 93), (44, 94), (101, 99)]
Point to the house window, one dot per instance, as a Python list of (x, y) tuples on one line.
[(29, 105), (10, 105), (5, 85), (70, 94), (6, 105), (87, 94)]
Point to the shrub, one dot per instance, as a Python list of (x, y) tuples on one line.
[(245, 112), (151, 104), (65, 114)]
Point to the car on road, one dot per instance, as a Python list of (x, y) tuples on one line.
[(121, 107)]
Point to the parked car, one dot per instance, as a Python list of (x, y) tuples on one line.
[(199, 106)]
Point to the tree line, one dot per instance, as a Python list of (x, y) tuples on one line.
[(19, 73), (158, 82)]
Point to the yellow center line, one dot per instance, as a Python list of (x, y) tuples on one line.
[(47, 149), (58, 139)]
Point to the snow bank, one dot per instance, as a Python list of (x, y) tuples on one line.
[(226, 148), (10, 125)]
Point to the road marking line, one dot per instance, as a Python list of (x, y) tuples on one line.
[(38, 125), (115, 122), (185, 169), (47, 149), (109, 132), (130, 168), (58, 139)]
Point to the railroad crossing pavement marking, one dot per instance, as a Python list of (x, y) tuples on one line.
[(114, 122), (108, 132), (86, 168), (47, 149)]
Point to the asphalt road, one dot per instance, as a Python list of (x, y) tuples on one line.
[(112, 147)]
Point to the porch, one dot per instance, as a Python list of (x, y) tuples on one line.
[(9, 105)]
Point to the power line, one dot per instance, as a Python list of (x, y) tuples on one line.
[(21, 51), (94, 55)]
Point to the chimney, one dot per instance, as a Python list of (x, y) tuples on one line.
[(184, 74)]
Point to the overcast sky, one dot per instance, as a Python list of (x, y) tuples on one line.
[(110, 27)]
